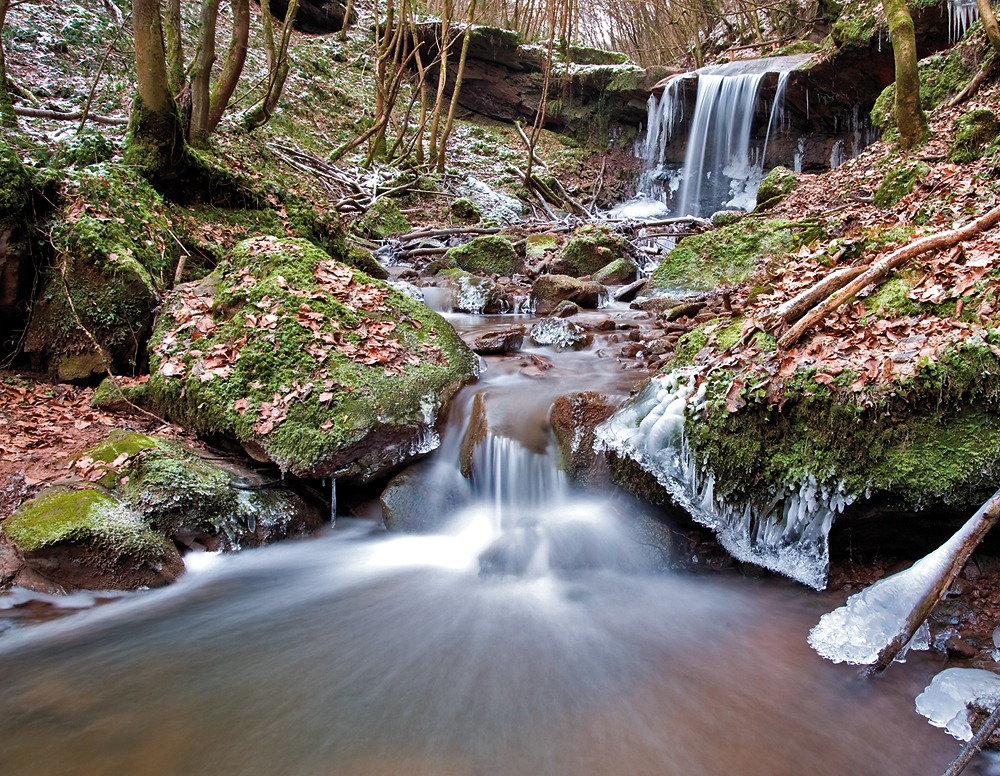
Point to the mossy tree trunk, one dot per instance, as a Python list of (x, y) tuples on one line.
[(910, 119), (156, 144), (7, 117)]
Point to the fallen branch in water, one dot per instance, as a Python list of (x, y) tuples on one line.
[(880, 270), (975, 744), (874, 626)]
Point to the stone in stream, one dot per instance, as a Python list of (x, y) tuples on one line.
[(422, 497), (549, 290), (498, 343)]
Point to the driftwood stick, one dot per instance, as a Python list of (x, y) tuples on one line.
[(878, 271), (975, 744), (966, 540)]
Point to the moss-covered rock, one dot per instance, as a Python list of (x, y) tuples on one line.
[(87, 538), (549, 290), (974, 131), (723, 256), (590, 248), (465, 210), (775, 186), (537, 245), (305, 361), (15, 183), (488, 254), (113, 258), (623, 270), (383, 220)]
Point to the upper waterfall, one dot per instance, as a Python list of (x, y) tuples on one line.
[(723, 162)]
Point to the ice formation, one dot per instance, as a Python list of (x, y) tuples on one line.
[(946, 699), (786, 531), (857, 631), (962, 14), (557, 332)]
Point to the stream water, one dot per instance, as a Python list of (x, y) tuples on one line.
[(362, 652)]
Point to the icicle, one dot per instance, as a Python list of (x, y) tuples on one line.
[(786, 532), (333, 501)]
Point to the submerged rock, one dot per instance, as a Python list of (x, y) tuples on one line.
[(423, 497), (305, 361)]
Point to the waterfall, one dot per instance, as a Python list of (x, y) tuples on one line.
[(717, 163), (722, 164)]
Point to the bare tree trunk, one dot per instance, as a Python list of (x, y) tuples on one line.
[(201, 74), (277, 63), (236, 57), (910, 119), (442, 79), (7, 117), (450, 122)]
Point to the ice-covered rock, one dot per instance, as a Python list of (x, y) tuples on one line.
[(785, 530)]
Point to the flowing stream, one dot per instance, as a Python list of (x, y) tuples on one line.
[(362, 652)]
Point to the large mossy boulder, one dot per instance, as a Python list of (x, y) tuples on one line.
[(305, 361), (591, 248), (777, 184), (113, 257), (488, 255), (549, 290)]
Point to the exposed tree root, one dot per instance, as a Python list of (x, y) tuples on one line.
[(847, 287)]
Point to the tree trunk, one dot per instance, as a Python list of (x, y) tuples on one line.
[(175, 48), (201, 74), (910, 119), (7, 117), (989, 23), (450, 121), (236, 57), (277, 62), (155, 142)]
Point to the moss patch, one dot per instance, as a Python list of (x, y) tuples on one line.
[(775, 186), (897, 183), (974, 132), (487, 254), (113, 257), (383, 220), (933, 440), (304, 360), (590, 248), (723, 256)]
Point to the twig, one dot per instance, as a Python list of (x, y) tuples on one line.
[(975, 744)]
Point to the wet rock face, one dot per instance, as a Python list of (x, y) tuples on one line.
[(499, 343), (421, 498), (315, 17)]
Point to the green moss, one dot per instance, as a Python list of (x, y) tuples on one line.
[(798, 47), (87, 517), (584, 55), (619, 271), (113, 258), (775, 186), (891, 300), (929, 440), (723, 256), (15, 182), (973, 131), (84, 149), (729, 335), (590, 248), (537, 245), (689, 346), (898, 182), (343, 360), (488, 254), (383, 220), (465, 209)]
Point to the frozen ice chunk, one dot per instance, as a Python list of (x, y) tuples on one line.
[(946, 699)]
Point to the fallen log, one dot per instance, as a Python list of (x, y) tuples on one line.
[(38, 113), (975, 744)]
